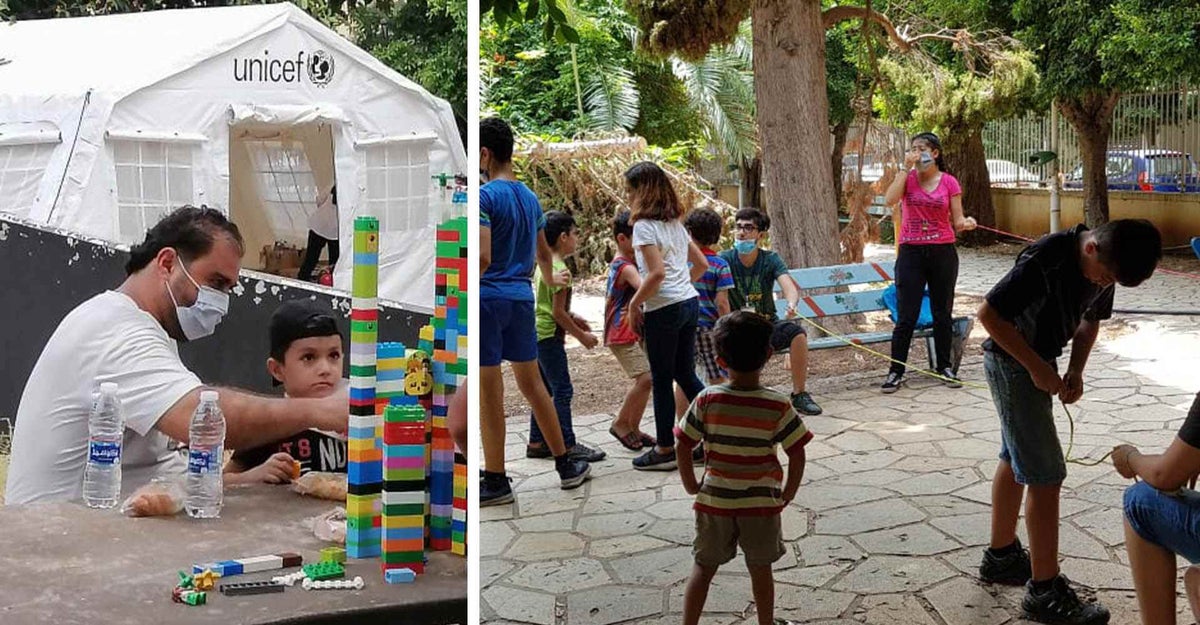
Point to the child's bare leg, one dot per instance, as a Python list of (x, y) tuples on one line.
[(1041, 519), (798, 358), (529, 381), (762, 583), (491, 417), (629, 418), (696, 593), (681, 402), (1006, 506), (1191, 585), (1154, 578)]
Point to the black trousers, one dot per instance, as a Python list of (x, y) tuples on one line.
[(313, 253), (916, 267)]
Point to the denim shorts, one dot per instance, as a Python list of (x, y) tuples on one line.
[(506, 332), (1169, 520), (1028, 438)]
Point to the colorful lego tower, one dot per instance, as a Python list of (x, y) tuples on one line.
[(458, 525), (404, 488), (446, 339), (390, 369), (365, 459)]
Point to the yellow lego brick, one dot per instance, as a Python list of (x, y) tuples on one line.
[(427, 333), (411, 520), (391, 363), (360, 444), (359, 505)]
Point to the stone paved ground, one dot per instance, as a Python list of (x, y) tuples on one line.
[(893, 513)]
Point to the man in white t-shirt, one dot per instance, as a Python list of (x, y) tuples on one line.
[(322, 231), (177, 289)]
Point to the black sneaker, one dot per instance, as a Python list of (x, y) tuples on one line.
[(1012, 569), (585, 453), (1061, 606), (892, 383), (494, 490), (538, 451), (950, 380), (803, 402), (654, 461), (573, 473)]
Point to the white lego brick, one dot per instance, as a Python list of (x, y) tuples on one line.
[(361, 421), (261, 563), (406, 497)]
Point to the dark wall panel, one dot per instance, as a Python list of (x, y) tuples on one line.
[(44, 274)]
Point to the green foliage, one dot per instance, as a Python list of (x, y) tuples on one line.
[(612, 99), (842, 72), (555, 24), (687, 28), (939, 98), (721, 88), (1100, 46)]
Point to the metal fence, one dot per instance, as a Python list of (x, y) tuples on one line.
[(1153, 146)]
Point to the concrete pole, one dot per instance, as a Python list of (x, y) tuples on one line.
[(1055, 207)]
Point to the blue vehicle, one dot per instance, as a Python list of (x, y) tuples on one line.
[(1161, 171)]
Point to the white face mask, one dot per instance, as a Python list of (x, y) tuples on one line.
[(201, 318)]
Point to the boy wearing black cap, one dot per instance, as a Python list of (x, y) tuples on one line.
[(306, 359)]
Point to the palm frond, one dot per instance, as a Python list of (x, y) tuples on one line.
[(611, 99), (720, 88)]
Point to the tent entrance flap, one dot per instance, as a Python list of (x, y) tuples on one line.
[(278, 174)]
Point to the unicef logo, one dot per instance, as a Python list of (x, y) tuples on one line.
[(320, 68)]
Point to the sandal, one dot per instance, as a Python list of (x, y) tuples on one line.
[(631, 441), (647, 440)]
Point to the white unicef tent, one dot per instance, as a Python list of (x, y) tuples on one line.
[(106, 123)]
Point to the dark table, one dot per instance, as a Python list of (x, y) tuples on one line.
[(65, 563)]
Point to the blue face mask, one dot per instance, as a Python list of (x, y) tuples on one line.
[(745, 247)]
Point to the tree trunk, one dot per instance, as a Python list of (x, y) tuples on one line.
[(751, 175), (840, 130), (966, 161), (1091, 116), (793, 122)]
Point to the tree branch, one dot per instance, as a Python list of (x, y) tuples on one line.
[(834, 15)]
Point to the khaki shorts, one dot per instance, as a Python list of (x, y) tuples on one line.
[(632, 358), (718, 537)]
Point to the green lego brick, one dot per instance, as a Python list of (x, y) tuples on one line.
[(359, 522), (402, 557), (324, 570), (362, 370), (333, 554), (404, 414), (403, 509)]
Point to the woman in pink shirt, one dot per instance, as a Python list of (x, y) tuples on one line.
[(931, 214)]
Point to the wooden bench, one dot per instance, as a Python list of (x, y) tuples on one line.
[(817, 307)]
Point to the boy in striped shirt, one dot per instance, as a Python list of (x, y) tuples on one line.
[(743, 489)]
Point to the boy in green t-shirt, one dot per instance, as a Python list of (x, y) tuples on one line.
[(554, 320)]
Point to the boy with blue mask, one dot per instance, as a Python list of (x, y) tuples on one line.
[(755, 273)]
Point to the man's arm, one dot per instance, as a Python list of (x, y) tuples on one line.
[(485, 249), (791, 292), (796, 459), (251, 420), (1005, 334)]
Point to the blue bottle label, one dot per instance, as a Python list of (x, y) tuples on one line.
[(201, 461), (102, 452)]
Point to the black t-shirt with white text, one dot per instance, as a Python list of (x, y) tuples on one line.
[(1047, 296), (316, 451)]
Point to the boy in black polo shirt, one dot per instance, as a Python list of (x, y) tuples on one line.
[(1060, 289), (306, 359)]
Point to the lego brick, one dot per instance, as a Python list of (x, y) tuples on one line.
[(394, 515), (324, 570), (363, 551), (401, 498), (230, 567), (404, 558), (403, 546), (261, 563), (364, 314), (399, 576), (250, 588), (403, 533), (333, 554)]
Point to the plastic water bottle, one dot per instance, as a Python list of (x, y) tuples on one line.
[(106, 430), (206, 445)]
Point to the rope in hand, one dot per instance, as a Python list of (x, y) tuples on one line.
[(937, 376)]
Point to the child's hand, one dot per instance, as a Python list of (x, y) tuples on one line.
[(581, 322), (634, 319), (276, 470), (589, 340), (557, 279), (1046, 379), (1072, 387)]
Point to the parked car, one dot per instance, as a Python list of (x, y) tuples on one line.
[(1163, 171), (1010, 174)]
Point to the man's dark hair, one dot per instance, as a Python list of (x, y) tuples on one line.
[(558, 223), (743, 340), (496, 135), (1130, 248), (621, 225), (190, 230), (705, 226), (298, 319), (759, 218)]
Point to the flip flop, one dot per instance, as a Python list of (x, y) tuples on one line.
[(629, 440), (647, 440)]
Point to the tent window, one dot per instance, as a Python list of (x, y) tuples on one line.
[(398, 185), (286, 185), (153, 178), (21, 169)]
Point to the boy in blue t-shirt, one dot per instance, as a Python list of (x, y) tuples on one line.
[(511, 243), (705, 226)]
